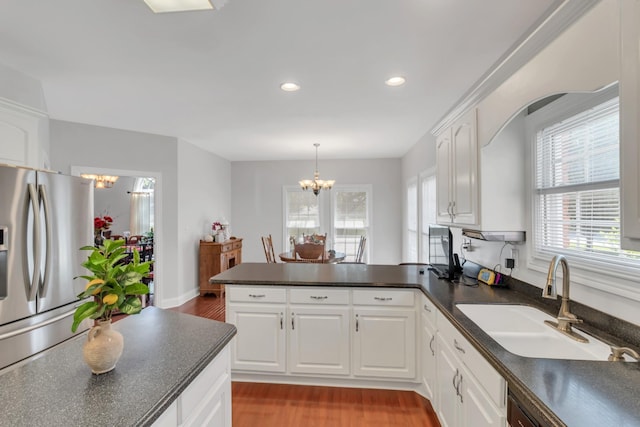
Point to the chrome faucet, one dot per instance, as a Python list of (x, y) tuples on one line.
[(565, 318)]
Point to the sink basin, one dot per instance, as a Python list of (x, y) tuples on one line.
[(521, 330)]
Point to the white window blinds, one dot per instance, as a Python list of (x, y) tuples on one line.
[(577, 194), (350, 220)]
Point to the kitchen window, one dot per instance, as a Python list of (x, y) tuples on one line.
[(344, 213), (576, 200)]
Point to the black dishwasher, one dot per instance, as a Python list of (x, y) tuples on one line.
[(517, 415)]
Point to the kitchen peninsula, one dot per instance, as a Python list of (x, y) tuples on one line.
[(556, 392), (174, 370)]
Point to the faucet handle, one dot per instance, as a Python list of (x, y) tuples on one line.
[(617, 353), (569, 318)]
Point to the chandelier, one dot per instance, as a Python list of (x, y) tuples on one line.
[(316, 184), (101, 181)]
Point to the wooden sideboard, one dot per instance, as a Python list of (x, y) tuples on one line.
[(216, 258)]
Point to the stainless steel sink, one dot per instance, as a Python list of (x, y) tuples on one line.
[(520, 329)]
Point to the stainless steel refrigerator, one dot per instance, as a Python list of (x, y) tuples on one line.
[(45, 218)]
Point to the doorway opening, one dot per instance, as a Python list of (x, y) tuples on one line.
[(133, 204)]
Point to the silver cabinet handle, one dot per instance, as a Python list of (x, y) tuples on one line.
[(357, 323), (426, 308), (457, 346), (453, 208), (281, 321), (459, 388), (382, 298), (316, 297), (433, 352), (454, 381), (293, 325), (257, 295)]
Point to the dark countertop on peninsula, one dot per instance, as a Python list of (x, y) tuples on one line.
[(163, 352), (557, 392)]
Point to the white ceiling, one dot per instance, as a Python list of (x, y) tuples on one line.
[(212, 77)]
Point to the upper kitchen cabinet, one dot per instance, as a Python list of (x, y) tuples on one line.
[(630, 123), (24, 136), (457, 172)]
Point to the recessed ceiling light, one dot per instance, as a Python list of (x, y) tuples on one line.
[(395, 81), (161, 6), (289, 86)]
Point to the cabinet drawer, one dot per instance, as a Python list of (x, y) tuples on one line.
[(319, 296), (384, 297), (256, 294), (237, 245), (227, 247), (486, 375)]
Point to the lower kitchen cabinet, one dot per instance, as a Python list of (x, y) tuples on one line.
[(319, 340), (384, 342), (261, 339), (428, 349), (469, 391), (206, 402)]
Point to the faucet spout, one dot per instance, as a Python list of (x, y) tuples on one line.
[(565, 318)]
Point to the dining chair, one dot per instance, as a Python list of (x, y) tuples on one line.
[(267, 244)]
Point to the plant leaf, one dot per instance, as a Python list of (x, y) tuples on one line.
[(131, 305), (83, 312)]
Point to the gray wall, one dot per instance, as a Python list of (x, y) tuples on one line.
[(258, 206), (74, 144)]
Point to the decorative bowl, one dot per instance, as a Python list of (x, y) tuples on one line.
[(309, 250)]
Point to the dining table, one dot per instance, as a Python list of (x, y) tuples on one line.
[(331, 257)]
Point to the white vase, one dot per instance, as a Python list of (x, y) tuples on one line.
[(103, 347)]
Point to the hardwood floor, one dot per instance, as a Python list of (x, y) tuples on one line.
[(283, 405)]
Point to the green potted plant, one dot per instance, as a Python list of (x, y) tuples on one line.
[(116, 286)]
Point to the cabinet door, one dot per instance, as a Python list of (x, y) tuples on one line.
[(464, 180), (447, 397), (260, 342), (443, 177), (477, 408), (384, 343), (630, 124), (428, 357), (319, 340)]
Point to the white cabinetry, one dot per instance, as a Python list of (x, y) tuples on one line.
[(470, 391), (630, 123), (384, 333), (319, 331), (206, 401), (259, 315), (457, 172), (428, 348), (24, 136)]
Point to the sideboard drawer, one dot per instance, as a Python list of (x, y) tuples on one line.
[(256, 294)]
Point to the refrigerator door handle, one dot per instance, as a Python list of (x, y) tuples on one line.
[(35, 274), (36, 326), (44, 286)]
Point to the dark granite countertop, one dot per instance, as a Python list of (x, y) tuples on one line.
[(163, 352), (557, 392)]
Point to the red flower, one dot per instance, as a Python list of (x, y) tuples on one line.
[(100, 224)]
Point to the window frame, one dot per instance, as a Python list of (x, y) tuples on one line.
[(409, 237), (326, 205), (423, 233), (604, 276)]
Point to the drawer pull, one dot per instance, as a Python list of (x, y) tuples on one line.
[(281, 321), (293, 324), (257, 295), (433, 352), (457, 346), (317, 297), (382, 298), (426, 308), (357, 323)]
